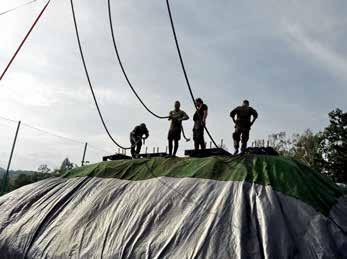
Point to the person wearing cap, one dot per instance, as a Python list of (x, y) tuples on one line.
[(199, 124), (139, 133), (176, 117), (243, 124)]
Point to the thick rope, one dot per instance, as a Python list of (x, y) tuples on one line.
[(124, 72), (183, 67), (89, 81), (123, 69)]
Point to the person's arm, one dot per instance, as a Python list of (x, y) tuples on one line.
[(133, 134), (204, 117), (232, 115), (255, 116), (146, 135), (184, 117)]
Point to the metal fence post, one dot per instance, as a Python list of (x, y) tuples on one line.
[(5, 177), (84, 153)]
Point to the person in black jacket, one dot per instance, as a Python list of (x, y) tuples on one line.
[(199, 124), (243, 124), (139, 133)]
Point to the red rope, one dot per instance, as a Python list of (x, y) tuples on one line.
[(23, 41)]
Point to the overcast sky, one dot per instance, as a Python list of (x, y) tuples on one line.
[(289, 58)]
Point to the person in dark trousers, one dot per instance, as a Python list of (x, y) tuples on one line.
[(176, 116), (199, 124), (243, 124), (139, 133)]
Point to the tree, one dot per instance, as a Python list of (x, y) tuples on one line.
[(66, 165), (43, 169), (305, 147), (334, 146), (21, 180), (281, 143)]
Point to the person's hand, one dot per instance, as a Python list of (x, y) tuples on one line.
[(203, 123)]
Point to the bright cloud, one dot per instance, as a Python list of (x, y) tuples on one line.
[(287, 57)]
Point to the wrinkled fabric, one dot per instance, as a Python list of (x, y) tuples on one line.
[(165, 217), (284, 175)]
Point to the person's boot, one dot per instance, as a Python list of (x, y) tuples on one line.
[(236, 151), (243, 149)]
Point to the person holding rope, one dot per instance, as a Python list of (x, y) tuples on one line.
[(138, 134), (243, 124), (176, 117), (199, 124)]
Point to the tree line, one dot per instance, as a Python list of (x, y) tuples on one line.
[(324, 151), (22, 178)]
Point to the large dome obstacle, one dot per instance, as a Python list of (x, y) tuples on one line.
[(251, 206)]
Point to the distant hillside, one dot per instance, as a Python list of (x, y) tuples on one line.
[(15, 173)]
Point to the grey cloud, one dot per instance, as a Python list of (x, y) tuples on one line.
[(232, 49)]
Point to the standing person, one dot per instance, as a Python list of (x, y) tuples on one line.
[(136, 137), (199, 124), (176, 116), (243, 124)]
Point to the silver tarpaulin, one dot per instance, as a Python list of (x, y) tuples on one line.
[(90, 217)]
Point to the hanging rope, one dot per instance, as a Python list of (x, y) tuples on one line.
[(183, 67), (25, 38), (17, 7), (123, 69), (89, 81), (124, 72)]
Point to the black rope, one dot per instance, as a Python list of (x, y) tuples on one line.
[(89, 82), (183, 67), (125, 74), (123, 69), (184, 135)]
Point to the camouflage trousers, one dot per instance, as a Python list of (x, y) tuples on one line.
[(243, 135)]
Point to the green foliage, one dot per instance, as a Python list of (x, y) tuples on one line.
[(325, 151), (281, 143), (334, 146), (303, 147), (22, 180), (66, 165), (19, 178), (43, 169), (306, 148)]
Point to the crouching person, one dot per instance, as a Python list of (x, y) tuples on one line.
[(139, 133)]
